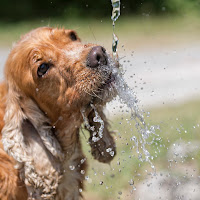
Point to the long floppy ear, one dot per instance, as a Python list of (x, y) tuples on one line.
[(101, 141), (28, 137)]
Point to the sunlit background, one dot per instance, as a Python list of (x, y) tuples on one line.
[(159, 50)]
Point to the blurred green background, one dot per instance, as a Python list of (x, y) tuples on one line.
[(154, 28), (13, 10), (141, 21)]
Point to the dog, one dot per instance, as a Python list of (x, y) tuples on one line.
[(53, 83)]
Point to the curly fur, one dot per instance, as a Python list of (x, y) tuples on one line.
[(40, 118)]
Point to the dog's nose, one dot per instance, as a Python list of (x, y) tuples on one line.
[(97, 57)]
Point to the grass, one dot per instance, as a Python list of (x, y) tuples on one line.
[(132, 31), (177, 124)]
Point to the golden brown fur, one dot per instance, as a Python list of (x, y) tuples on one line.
[(40, 117)]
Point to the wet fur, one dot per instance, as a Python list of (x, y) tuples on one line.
[(40, 150)]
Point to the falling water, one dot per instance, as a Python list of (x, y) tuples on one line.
[(128, 97), (97, 134), (98, 119), (147, 134), (114, 17)]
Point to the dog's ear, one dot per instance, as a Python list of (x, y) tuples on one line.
[(28, 137), (101, 140)]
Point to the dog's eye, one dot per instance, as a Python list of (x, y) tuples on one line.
[(42, 69), (73, 36)]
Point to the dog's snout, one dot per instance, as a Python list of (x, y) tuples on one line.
[(97, 57)]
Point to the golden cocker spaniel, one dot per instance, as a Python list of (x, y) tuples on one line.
[(52, 84)]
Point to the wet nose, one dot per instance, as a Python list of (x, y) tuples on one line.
[(97, 57)]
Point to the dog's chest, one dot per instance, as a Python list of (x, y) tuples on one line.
[(71, 185)]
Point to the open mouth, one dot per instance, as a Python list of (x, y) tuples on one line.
[(107, 89), (108, 83), (110, 79)]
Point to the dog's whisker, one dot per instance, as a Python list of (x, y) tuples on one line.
[(120, 58), (92, 33), (83, 132), (89, 94), (97, 96), (99, 90)]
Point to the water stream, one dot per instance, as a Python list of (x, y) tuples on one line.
[(97, 134), (127, 96), (114, 17), (144, 137)]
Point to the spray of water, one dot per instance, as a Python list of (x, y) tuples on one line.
[(114, 17), (128, 97), (97, 134), (98, 119)]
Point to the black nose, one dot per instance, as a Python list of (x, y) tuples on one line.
[(97, 57)]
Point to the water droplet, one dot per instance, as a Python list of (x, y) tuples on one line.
[(101, 182), (134, 188), (80, 190), (60, 118), (71, 167), (112, 153), (120, 193), (83, 160), (131, 182)]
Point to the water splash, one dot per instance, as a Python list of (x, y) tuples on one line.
[(85, 119), (114, 17), (97, 134), (116, 10), (128, 97)]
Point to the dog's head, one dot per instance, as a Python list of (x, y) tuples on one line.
[(57, 71), (51, 74)]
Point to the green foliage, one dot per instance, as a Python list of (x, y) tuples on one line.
[(183, 6), (13, 10), (178, 124), (161, 6)]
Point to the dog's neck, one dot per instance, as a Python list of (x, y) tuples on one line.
[(67, 131), (67, 127)]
